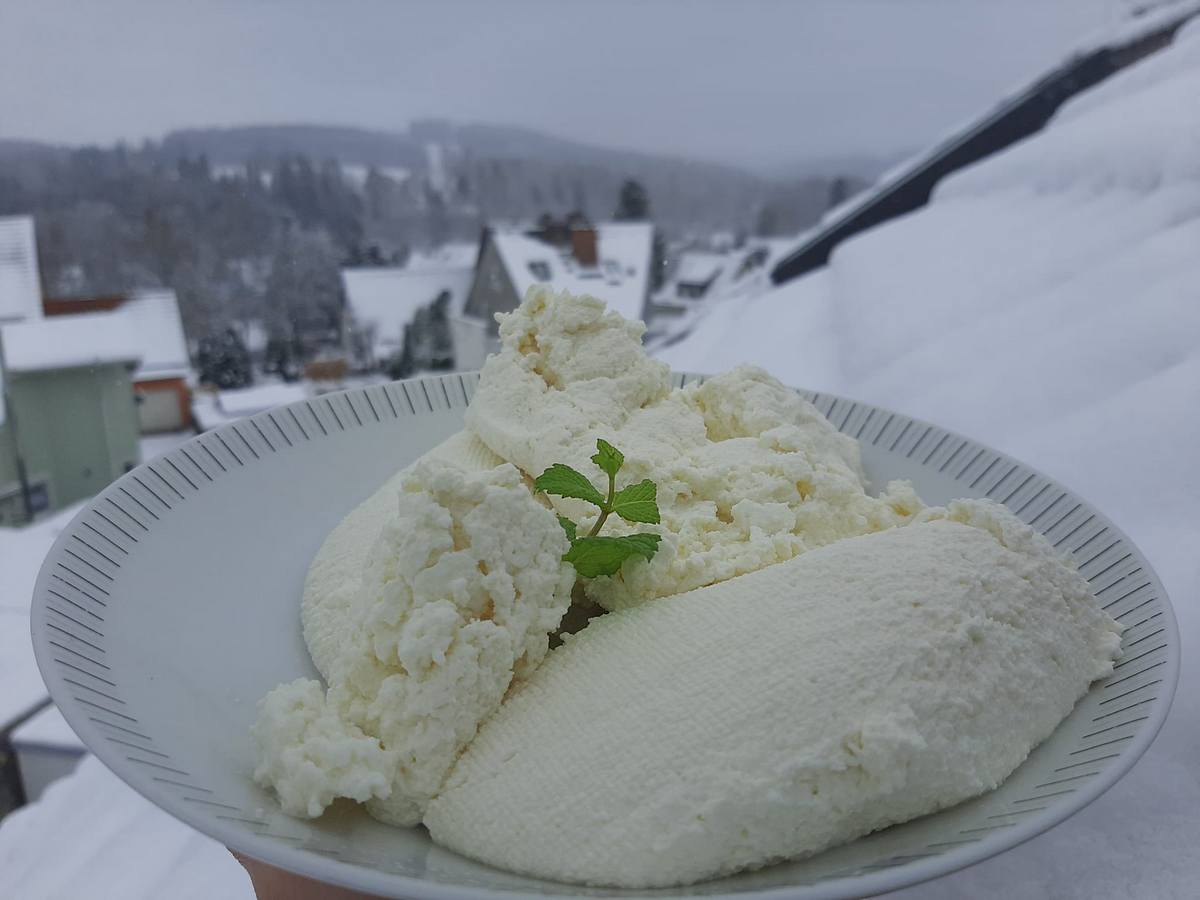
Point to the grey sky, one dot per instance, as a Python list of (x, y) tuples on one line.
[(757, 83)]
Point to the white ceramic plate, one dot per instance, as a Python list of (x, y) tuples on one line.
[(171, 604)]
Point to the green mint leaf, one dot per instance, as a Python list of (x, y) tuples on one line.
[(568, 526), (566, 482), (595, 556), (637, 502), (608, 458), (642, 544)]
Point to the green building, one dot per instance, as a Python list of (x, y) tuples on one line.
[(68, 418)]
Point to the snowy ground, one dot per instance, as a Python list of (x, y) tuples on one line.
[(1048, 303)]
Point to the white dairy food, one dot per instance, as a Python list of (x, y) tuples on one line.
[(748, 472), (770, 716), (334, 579), (459, 592)]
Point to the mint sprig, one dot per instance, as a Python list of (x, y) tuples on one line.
[(593, 555)]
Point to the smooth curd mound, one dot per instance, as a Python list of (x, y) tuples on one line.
[(773, 715)]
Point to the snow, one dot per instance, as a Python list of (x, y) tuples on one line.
[(455, 255), (1046, 303), (385, 300), (21, 688), (356, 173), (21, 554), (252, 400), (699, 267), (65, 341), (155, 445), (621, 278), (152, 317), (20, 286), (1120, 33), (146, 328), (91, 836), (47, 728)]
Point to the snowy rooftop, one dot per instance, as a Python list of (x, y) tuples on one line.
[(1121, 33), (620, 279), (457, 255), (387, 299), (20, 286), (252, 400), (64, 341), (152, 317), (700, 267)]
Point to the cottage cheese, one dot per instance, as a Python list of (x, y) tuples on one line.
[(749, 473), (333, 584), (775, 714), (458, 593)]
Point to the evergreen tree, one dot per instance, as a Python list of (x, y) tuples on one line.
[(223, 360), (633, 204)]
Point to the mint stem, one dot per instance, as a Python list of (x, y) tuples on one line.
[(607, 507)]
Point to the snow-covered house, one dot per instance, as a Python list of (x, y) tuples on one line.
[(383, 301), (610, 260), (69, 423), (697, 272), (151, 321)]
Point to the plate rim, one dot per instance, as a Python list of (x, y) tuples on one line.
[(313, 864)]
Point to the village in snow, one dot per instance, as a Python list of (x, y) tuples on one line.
[(1032, 280)]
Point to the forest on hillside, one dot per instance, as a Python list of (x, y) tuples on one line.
[(246, 231)]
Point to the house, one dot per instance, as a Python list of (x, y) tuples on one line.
[(20, 285), (153, 325), (697, 272), (610, 260), (909, 185), (68, 420), (383, 301)]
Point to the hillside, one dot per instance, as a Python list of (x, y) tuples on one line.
[(511, 172)]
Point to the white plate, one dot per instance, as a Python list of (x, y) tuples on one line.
[(171, 604)]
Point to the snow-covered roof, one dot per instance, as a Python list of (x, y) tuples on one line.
[(700, 267), (621, 278), (152, 317), (61, 342), (249, 401), (386, 299), (457, 255), (20, 285), (1121, 33)]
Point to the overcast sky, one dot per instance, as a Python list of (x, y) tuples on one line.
[(755, 83)]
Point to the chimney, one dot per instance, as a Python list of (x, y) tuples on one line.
[(583, 246)]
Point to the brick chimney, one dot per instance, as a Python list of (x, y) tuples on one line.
[(583, 246)]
